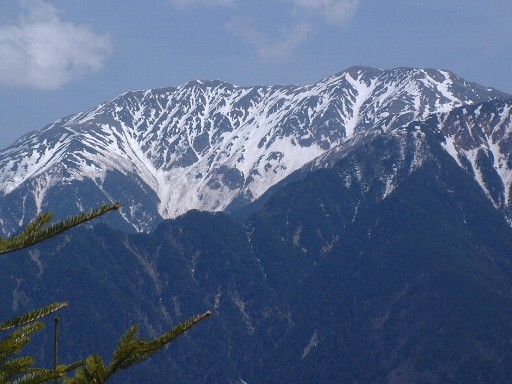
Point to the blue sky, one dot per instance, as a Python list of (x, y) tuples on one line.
[(63, 56)]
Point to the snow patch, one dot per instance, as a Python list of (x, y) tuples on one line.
[(313, 342), (449, 146)]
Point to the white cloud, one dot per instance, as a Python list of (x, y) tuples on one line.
[(293, 34), (281, 47), (184, 3), (334, 11), (42, 51)]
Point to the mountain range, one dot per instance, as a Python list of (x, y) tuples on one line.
[(365, 235), (213, 146)]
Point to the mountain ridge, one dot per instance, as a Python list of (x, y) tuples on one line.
[(204, 145), (335, 278)]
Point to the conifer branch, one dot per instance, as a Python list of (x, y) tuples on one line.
[(32, 316), (131, 350), (38, 230), (139, 349), (13, 367), (39, 376), (15, 342)]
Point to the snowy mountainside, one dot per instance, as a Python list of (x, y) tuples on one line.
[(479, 138), (208, 144)]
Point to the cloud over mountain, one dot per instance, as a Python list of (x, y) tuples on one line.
[(268, 47), (301, 20), (334, 11), (205, 2)]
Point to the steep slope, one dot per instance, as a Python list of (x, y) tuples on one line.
[(479, 138), (112, 280), (391, 266), (207, 145), (407, 285)]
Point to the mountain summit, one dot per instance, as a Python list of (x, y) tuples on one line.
[(209, 144), (376, 249)]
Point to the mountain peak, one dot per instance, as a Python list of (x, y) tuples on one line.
[(205, 144)]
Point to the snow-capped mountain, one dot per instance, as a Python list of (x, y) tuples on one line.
[(210, 144)]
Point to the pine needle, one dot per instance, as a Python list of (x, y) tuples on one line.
[(40, 229), (32, 316)]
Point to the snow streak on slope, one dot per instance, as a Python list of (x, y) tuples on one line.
[(209, 144), (479, 138)]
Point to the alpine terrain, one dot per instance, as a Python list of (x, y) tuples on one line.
[(212, 146), (357, 230)]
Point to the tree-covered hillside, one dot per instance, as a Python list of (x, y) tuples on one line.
[(392, 266)]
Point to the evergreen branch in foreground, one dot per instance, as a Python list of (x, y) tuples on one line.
[(15, 342), (38, 230), (32, 316), (131, 350), (38, 376), (20, 369)]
